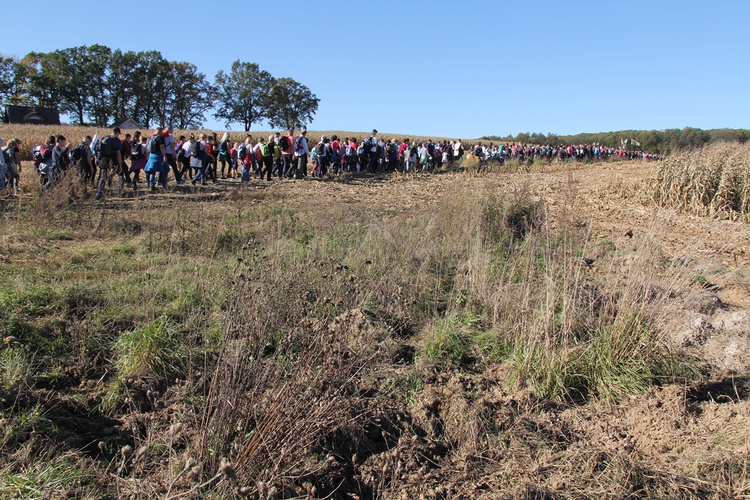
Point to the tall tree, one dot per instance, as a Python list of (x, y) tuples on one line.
[(12, 81), (149, 76), (39, 88), (188, 96), (242, 94), (291, 104), (121, 84)]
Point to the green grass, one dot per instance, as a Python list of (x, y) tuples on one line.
[(153, 349), (15, 367), (44, 480)]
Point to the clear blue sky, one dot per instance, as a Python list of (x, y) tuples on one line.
[(458, 69)]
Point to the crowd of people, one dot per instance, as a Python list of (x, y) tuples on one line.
[(522, 152), (206, 157)]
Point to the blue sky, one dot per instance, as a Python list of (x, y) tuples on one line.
[(447, 69)]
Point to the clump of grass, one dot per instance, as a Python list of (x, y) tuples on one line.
[(56, 478), (712, 181), (150, 350), (15, 367), (451, 337)]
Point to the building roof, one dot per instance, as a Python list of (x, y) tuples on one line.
[(127, 124)]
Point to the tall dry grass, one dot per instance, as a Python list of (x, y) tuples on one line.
[(712, 181)]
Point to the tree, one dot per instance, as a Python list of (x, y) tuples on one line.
[(150, 73), (291, 104), (39, 89), (242, 94), (188, 96), (121, 84), (12, 81)]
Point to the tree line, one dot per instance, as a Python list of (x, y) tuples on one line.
[(100, 86), (656, 141)]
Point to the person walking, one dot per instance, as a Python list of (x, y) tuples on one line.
[(301, 153), (109, 158)]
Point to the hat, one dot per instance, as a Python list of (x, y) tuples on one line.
[(374, 131), (323, 138)]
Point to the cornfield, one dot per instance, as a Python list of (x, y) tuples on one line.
[(711, 181)]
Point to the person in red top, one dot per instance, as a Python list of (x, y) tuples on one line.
[(336, 154), (233, 160)]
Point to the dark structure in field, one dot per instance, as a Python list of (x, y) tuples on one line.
[(32, 115)]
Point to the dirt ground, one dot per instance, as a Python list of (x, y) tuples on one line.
[(631, 449)]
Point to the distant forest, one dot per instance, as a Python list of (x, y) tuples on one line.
[(653, 141)]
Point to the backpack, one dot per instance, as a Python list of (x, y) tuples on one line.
[(321, 149), (283, 142), (298, 144), (62, 162), (267, 149), (137, 151), (41, 154), (6, 155), (413, 151), (195, 149), (104, 150), (78, 153), (242, 151), (350, 151), (153, 144)]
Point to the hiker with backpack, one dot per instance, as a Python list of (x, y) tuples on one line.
[(42, 155), (278, 168), (373, 155), (108, 152), (224, 155), (11, 156), (170, 149), (138, 157), (157, 167), (59, 161), (286, 146), (323, 154), (81, 158), (3, 165), (233, 160), (210, 158), (301, 152), (268, 153), (336, 155), (244, 156), (126, 145), (182, 153), (350, 154), (198, 160)]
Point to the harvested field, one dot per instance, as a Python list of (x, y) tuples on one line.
[(543, 332)]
